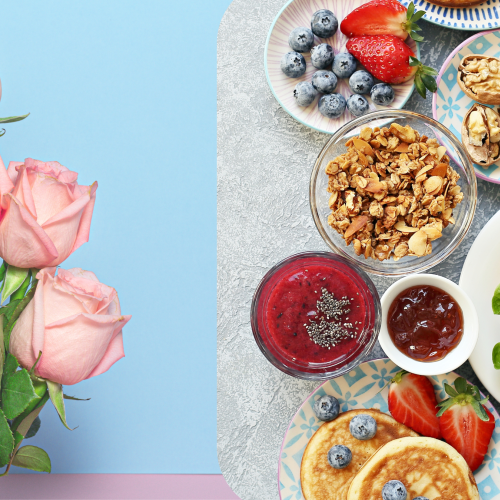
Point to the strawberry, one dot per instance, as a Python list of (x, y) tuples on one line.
[(383, 17), (465, 423), (412, 402), (390, 60)]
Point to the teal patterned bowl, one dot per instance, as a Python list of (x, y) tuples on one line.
[(365, 387), (450, 104)]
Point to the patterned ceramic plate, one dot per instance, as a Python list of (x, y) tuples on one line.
[(361, 389), (450, 104), (298, 13), (478, 17)]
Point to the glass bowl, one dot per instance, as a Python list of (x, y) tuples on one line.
[(290, 349), (453, 234)]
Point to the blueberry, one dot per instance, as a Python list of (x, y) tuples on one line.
[(304, 93), (324, 81), (363, 427), (382, 94), (301, 39), (324, 23), (332, 105), (344, 65), (394, 490), (293, 64), (358, 105), (322, 55), (339, 456), (361, 82), (326, 408)]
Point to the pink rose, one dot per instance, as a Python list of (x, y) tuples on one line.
[(75, 321), (44, 214)]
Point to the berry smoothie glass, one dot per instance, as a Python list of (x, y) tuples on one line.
[(315, 315)]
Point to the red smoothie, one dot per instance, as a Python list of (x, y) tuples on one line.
[(292, 313)]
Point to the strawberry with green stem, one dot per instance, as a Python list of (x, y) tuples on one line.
[(465, 423)]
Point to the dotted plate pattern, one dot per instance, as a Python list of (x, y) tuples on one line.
[(361, 388), (450, 104), (298, 13), (478, 17)]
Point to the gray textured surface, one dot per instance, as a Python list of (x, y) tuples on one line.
[(264, 163)]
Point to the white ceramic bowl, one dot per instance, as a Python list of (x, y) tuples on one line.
[(454, 358)]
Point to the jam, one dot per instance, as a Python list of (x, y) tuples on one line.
[(425, 323)]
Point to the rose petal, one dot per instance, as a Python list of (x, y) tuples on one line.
[(113, 354), (21, 338), (84, 229)]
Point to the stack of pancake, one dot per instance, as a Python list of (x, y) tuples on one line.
[(426, 466)]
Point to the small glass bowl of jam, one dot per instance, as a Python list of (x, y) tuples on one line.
[(315, 315), (429, 324)]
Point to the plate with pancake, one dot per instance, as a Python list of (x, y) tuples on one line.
[(304, 473)]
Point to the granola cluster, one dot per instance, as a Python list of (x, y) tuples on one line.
[(393, 192)]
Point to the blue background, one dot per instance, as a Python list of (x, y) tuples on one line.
[(124, 92)]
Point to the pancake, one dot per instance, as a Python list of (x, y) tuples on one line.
[(320, 481), (457, 3), (426, 466)]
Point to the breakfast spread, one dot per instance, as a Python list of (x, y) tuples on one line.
[(425, 323), (479, 77), (392, 193), (322, 481), (481, 135)]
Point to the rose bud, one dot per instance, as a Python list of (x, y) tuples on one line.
[(44, 213), (75, 321)]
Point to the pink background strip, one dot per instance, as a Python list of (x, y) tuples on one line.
[(116, 487)]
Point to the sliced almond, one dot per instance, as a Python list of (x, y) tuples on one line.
[(424, 170), (332, 168), (374, 186), (357, 224), (418, 243), (333, 199), (432, 233), (433, 184), (363, 146), (440, 170), (402, 148), (362, 159), (441, 150), (401, 226), (375, 144)]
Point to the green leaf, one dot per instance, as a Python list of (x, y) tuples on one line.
[(57, 398), (414, 61), (12, 119), (6, 440), (31, 457), (416, 36), (429, 82), (21, 291), (495, 301), (444, 406), (3, 269), (11, 365), (461, 385), (418, 15), (17, 393), (2, 349), (410, 11), (496, 356), (415, 27), (420, 86), (14, 278), (72, 398), (428, 70), (35, 426), (449, 390), (480, 412)]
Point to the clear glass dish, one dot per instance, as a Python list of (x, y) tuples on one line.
[(452, 235), (343, 361)]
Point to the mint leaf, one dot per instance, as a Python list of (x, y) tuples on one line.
[(31, 457), (6, 440), (495, 301), (57, 398), (496, 356), (17, 393)]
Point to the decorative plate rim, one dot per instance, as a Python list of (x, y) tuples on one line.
[(444, 67), (493, 411), (266, 46)]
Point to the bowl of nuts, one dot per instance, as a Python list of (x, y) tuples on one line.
[(386, 194)]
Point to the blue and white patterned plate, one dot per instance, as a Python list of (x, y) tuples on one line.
[(450, 104), (485, 16), (361, 389)]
